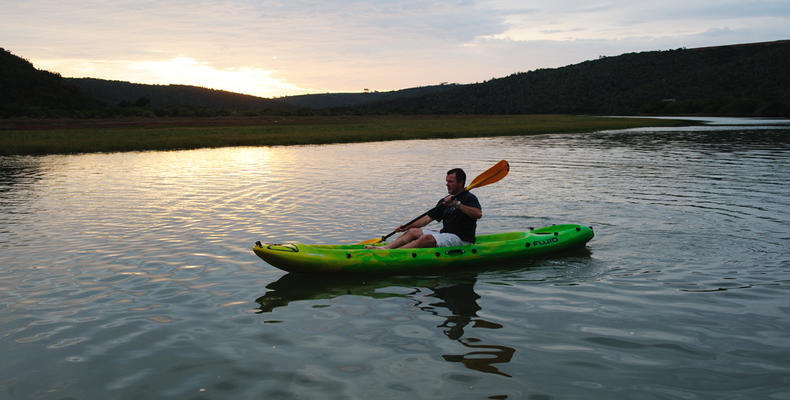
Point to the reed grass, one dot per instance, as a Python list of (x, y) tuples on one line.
[(300, 131)]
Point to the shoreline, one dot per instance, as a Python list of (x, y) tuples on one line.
[(71, 136)]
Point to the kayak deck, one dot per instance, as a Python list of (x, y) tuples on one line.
[(492, 250)]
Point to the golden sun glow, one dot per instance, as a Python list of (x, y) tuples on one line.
[(188, 71), (178, 71)]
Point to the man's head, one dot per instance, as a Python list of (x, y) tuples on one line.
[(456, 179)]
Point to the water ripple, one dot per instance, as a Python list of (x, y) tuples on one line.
[(130, 274)]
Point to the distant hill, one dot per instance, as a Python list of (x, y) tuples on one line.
[(118, 93), (337, 100), (738, 80), (26, 91), (29, 92)]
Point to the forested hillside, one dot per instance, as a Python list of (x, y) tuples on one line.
[(174, 96), (742, 80), (738, 80), (26, 91), (334, 100)]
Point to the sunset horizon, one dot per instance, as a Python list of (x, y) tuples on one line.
[(275, 49)]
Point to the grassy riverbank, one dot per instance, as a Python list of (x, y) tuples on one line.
[(85, 136)]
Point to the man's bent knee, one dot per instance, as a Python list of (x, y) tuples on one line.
[(426, 241), (414, 232)]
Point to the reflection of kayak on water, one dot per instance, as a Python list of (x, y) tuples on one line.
[(488, 250), (450, 297), (298, 287)]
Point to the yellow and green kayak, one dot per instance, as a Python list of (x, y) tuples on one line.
[(492, 250)]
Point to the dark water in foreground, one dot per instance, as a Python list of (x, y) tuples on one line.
[(130, 275)]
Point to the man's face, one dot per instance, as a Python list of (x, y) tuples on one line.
[(453, 186)]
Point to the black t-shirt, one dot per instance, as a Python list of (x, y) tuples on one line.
[(454, 220)]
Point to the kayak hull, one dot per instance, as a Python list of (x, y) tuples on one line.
[(493, 250)]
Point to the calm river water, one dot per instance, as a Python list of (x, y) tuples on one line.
[(131, 275)]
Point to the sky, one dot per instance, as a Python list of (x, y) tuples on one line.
[(274, 48)]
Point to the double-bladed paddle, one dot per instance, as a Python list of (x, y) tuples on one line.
[(491, 175)]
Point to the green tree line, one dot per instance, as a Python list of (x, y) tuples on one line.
[(738, 80)]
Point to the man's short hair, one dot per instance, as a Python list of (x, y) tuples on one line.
[(460, 175)]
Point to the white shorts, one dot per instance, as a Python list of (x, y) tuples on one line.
[(445, 239)]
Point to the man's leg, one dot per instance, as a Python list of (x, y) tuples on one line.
[(405, 239), (421, 242)]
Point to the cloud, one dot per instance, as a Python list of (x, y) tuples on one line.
[(564, 20)]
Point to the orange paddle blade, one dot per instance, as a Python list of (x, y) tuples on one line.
[(491, 175)]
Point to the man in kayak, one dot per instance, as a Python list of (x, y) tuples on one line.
[(458, 215)]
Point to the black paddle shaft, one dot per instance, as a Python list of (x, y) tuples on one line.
[(383, 238)]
